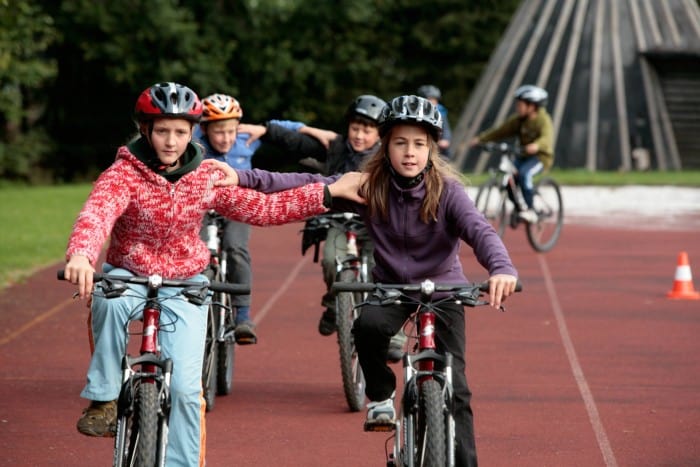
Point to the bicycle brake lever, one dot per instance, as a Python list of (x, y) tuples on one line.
[(196, 295), (113, 288)]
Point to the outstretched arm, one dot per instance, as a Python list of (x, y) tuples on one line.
[(323, 136)]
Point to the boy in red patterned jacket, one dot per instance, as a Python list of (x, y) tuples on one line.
[(150, 203)]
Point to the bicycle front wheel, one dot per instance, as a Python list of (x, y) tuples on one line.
[(209, 367), (351, 372), (136, 443), (431, 443), (226, 351), (547, 203), (491, 202)]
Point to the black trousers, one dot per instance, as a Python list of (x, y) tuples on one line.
[(372, 332)]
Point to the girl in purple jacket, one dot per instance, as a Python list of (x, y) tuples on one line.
[(417, 213)]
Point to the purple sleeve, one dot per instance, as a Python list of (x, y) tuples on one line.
[(478, 233), (271, 182)]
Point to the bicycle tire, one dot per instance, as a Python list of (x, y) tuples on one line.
[(351, 372), (548, 205), (431, 442), (210, 363), (147, 446), (226, 348), (136, 444), (491, 202), (226, 352)]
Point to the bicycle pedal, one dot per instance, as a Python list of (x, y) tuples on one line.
[(380, 426), (246, 340)]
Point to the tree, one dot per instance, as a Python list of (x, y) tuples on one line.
[(26, 32)]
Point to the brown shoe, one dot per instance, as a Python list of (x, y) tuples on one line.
[(245, 333), (99, 419)]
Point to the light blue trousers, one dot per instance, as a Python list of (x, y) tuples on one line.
[(182, 337)]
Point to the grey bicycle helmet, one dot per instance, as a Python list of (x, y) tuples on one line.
[(532, 94), (411, 109), (367, 106), (429, 92)]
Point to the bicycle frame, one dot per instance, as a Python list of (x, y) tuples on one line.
[(147, 368), (419, 367)]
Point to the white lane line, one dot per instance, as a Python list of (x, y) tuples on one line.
[(281, 290), (593, 415)]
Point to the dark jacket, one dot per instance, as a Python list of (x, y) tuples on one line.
[(338, 158)]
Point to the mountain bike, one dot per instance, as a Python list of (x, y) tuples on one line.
[(425, 428), (143, 406), (500, 200), (219, 348), (352, 268)]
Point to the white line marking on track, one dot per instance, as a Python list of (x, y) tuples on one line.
[(589, 402), (38, 319), (281, 290)]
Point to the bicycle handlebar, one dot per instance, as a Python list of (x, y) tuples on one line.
[(223, 287), (467, 294), (501, 148), (342, 220), (370, 286)]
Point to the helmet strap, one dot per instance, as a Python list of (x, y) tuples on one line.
[(408, 182)]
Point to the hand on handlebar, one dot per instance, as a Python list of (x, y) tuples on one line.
[(79, 271), (500, 287)]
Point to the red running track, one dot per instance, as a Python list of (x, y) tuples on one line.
[(590, 366)]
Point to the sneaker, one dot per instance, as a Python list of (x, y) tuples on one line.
[(99, 419), (396, 346), (380, 414), (244, 333), (326, 326), (529, 216)]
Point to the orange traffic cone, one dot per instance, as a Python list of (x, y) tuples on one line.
[(683, 283)]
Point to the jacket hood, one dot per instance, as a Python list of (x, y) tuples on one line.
[(144, 152)]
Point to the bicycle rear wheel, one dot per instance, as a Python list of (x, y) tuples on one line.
[(431, 443), (351, 372), (547, 203), (136, 443), (491, 202)]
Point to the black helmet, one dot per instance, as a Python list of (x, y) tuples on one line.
[(532, 94), (367, 106), (429, 92), (411, 109)]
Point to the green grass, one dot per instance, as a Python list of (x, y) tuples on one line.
[(36, 221), (687, 178)]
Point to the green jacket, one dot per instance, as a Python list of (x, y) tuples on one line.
[(537, 130)]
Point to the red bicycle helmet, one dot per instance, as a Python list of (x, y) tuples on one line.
[(169, 100), (220, 107)]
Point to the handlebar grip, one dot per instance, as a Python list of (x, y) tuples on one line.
[(353, 287), (233, 289)]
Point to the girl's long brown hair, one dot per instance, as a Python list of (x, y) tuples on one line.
[(375, 189)]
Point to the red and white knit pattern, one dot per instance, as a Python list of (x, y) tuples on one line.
[(155, 224)]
